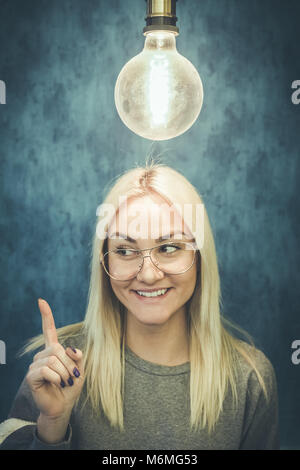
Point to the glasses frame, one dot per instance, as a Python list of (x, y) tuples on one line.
[(193, 244)]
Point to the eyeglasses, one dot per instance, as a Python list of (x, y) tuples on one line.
[(123, 264)]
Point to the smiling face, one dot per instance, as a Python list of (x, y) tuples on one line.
[(151, 310)]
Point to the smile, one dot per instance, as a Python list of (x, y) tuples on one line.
[(159, 294)]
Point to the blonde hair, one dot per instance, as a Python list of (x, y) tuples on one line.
[(213, 350)]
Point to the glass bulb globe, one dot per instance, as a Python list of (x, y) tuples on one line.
[(159, 93)]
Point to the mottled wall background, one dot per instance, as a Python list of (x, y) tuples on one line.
[(62, 141)]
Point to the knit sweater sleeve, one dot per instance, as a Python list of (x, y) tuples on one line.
[(19, 430), (261, 423)]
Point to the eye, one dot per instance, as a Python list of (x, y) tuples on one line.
[(124, 251), (172, 248)]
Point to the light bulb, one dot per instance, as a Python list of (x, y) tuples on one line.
[(159, 93)]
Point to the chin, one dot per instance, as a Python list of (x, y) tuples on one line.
[(153, 319), (150, 313)]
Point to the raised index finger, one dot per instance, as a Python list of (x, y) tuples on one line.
[(48, 324)]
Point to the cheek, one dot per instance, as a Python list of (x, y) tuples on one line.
[(118, 290), (189, 283), (115, 288)]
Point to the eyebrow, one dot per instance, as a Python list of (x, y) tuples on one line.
[(126, 237)]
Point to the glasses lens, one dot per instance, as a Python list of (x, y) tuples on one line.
[(123, 263), (172, 258)]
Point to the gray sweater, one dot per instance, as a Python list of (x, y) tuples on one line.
[(156, 414)]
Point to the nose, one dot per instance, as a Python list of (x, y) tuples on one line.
[(149, 272)]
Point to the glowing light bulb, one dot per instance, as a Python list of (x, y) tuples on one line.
[(159, 93)]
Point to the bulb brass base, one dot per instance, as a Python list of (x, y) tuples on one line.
[(161, 15)]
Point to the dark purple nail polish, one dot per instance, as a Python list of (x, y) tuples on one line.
[(70, 381), (76, 372), (74, 350), (62, 384)]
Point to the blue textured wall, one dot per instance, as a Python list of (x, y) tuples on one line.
[(62, 141)]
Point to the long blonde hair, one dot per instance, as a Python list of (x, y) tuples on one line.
[(213, 350)]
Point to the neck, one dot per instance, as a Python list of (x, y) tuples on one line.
[(164, 344)]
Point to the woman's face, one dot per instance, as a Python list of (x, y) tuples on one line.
[(154, 310)]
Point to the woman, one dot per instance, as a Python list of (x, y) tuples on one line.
[(154, 364)]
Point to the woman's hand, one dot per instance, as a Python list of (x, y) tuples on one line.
[(56, 375)]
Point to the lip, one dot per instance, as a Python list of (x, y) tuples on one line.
[(151, 299)]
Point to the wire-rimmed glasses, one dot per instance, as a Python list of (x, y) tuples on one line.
[(124, 263)]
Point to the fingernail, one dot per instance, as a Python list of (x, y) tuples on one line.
[(74, 350), (76, 372), (70, 381), (62, 383)]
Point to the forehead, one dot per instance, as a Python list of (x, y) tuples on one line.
[(147, 217)]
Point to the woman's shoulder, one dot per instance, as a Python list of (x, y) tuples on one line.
[(251, 358), (259, 396), (258, 355)]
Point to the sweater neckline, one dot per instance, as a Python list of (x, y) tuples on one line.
[(152, 367)]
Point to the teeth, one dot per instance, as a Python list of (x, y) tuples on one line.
[(152, 294)]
